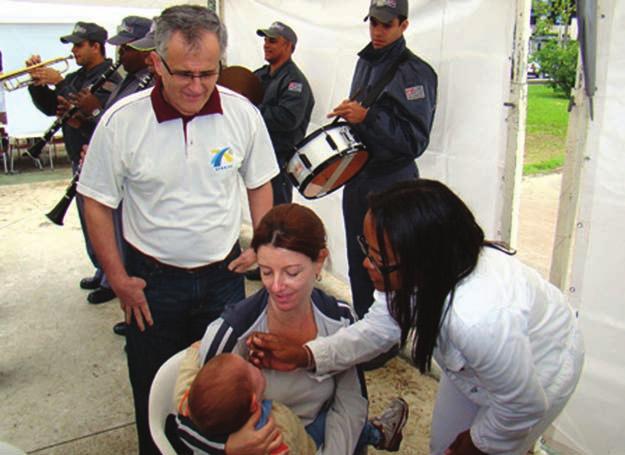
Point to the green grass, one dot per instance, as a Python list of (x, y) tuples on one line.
[(545, 139)]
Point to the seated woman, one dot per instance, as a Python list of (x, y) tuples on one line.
[(507, 342), (291, 249)]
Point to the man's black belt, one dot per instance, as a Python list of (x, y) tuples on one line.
[(234, 252)]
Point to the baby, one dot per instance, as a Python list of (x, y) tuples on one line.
[(218, 399), (226, 391)]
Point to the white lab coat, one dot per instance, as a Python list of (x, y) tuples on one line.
[(509, 342)]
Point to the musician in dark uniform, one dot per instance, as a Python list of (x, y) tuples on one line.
[(287, 102), (133, 29), (395, 127), (87, 41)]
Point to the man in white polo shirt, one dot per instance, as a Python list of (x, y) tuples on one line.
[(175, 155)]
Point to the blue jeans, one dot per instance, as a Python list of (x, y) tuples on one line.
[(182, 304)]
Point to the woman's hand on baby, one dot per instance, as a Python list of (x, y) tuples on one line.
[(277, 353), (249, 441)]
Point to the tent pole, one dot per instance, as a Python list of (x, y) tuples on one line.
[(516, 119), (579, 115)]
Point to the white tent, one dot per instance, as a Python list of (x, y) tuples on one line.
[(468, 43), (475, 148)]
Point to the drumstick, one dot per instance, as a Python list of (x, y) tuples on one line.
[(351, 98)]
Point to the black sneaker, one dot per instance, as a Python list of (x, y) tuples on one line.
[(391, 423), (121, 328), (90, 283)]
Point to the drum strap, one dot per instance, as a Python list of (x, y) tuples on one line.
[(385, 79)]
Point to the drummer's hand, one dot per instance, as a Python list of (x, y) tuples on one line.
[(243, 262), (352, 111)]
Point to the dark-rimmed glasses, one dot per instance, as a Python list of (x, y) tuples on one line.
[(383, 269), (186, 77)]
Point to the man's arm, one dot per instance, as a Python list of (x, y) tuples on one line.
[(129, 289), (260, 201), (43, 98)]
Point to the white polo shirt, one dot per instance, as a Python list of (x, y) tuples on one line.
[(181, 192)]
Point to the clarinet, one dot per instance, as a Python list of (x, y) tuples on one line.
[(57, 214), (145, 82), (37, 148)]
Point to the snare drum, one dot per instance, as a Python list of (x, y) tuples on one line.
[(326, 160)]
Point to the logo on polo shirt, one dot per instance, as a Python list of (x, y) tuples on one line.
[(222, 158)]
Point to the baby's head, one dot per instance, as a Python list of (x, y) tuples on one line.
[(224, 394)]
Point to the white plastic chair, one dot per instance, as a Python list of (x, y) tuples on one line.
[(161, 402)]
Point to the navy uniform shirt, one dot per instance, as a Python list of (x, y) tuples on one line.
[(397, 127), (286, 108), (128, 86)]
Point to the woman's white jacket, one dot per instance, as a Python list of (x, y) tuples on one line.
[(508, 341)]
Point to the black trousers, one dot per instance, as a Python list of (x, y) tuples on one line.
[(354, 210)]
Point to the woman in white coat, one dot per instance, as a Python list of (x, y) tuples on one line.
[(506, 340)]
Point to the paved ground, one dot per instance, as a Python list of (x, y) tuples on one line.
[(63, 378)]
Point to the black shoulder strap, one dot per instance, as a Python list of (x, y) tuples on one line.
[(385, 79)]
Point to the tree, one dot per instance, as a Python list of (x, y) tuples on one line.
[(548, 13), (557, 56)]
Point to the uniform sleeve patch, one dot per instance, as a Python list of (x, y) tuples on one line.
[(295, 87), (414, 93)]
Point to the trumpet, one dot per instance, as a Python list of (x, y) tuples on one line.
[(21, 78)]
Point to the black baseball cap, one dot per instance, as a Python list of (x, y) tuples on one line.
[(279, 29), (387, 10), (86, 31), (147, 43), (131, 29)]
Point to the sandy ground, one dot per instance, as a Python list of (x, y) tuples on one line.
[(63, 377)]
